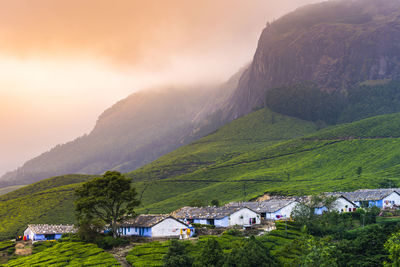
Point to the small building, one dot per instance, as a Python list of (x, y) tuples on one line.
[(381, 198), (273, 209), (42, 232), (224, 216), (341, 204), (150, 225)]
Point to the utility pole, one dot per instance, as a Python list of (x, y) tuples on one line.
[(244, 192)]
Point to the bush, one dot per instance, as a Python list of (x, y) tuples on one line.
[(109, 242), (233, 232)]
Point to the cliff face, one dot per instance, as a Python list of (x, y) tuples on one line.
[(335, 44)]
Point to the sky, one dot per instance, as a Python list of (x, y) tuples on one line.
[(64, 62)]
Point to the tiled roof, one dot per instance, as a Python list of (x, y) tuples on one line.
[(205, 212), (42, 229), (267, 206), (368, 194), (146, 220)]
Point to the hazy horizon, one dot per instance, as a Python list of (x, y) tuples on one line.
[(64, 62)]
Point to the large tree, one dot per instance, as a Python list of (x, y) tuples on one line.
[(109, 198)]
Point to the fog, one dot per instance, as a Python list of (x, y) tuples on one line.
[(63, 62)]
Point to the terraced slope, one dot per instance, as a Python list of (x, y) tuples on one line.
[(49, 201)]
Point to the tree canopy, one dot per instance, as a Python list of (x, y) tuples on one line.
[(109, 198)]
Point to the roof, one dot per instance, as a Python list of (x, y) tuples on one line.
[(267, 206), (147, 220), (369, 194), (206, 212), (42, 229)]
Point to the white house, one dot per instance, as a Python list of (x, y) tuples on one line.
[(41, 232), (148, 225), (341, 204), (381, 198), (218, 216), (273, 209)]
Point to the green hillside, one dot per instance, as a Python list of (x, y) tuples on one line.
[(48, 201), (324, 161), (263, 152), (8, 189), (67, 254)]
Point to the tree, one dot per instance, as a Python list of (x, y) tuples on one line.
[(177, 255), (250, 253), (359, 171), (319, 253), (109, 198), (392, 246), (215, 202), (211, 254)]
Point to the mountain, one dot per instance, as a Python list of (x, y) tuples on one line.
[(133, 132), (334, 44)]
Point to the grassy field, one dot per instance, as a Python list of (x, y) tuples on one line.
[(49, 201), (67, 254)]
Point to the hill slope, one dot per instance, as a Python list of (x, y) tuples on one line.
[(263, 152), (48, 201), (325, 161), (135, 131)]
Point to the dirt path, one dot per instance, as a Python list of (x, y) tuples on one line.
[(23, 248), (120, 254)]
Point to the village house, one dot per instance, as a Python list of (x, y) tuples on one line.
[(273, 209), (42, 232), (381, 198), (341, 204), (224, 216), (149, 225)]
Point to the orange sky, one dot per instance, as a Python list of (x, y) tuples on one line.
[(63, 62)]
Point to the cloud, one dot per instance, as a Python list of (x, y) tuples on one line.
[(148, 33)]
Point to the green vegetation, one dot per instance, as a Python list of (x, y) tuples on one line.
[(8, 189), (67, 254), (309, 102), (48, 201), (327, 160), (106, 200), (7, 249)]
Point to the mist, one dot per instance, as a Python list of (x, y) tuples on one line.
[(64, 62)]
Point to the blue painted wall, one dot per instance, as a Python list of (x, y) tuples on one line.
[(138, 231), (224, 222)]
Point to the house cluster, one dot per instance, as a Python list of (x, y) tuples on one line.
[(179, 223)]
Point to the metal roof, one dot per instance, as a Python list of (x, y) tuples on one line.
[(42, 229), (368, 194), (147, 220), (267, 206), (206, 212)]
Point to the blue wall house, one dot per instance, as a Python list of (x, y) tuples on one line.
[(151, 225), (381, 198), (43, 232)]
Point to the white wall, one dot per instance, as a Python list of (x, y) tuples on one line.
[(343, 205), (242, 217), (168, 227), (388, 201), (28, 232), (284, 212)]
